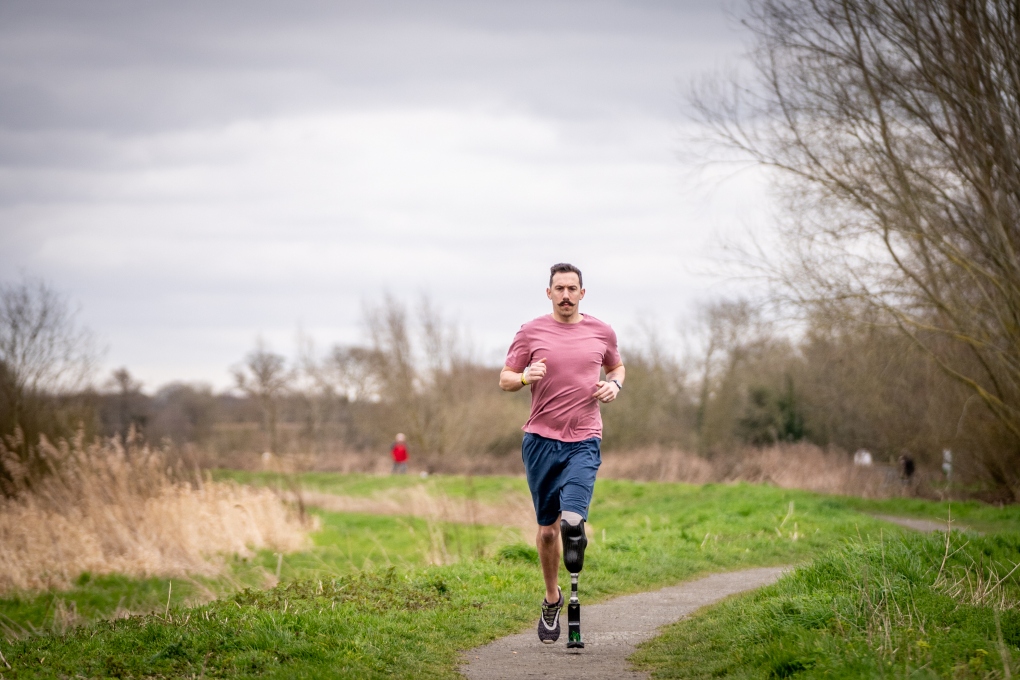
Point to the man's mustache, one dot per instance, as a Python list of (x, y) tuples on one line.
[(566, 303)]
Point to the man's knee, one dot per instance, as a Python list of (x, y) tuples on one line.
[(548, 535)]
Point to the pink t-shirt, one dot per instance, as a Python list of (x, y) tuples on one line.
[(562, 403)]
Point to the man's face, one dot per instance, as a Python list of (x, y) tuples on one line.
[(565, 293)]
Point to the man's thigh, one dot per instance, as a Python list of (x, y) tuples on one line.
[(544, 461), (577, 479)]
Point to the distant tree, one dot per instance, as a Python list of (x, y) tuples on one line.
[(43, 352), (46, 358), (128, 407), (432, 387), (265, 377), (341, 391), (659, 409), (771, 416), (892, 128), (183, 412), (741, 354)]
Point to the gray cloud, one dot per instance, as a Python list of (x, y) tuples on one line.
[(195, 173), (127, 66)]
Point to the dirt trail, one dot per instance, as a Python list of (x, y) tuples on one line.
[(611, 632), (922, 525)]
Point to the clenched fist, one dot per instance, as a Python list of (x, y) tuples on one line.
[(534, 372), (606, 391)]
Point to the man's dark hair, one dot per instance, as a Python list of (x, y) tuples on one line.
[(563, 267)]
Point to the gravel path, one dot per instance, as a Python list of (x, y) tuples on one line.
[(611, 630)]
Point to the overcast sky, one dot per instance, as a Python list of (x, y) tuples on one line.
[(195, 174)]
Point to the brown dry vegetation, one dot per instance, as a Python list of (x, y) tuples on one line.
[(106, 508)]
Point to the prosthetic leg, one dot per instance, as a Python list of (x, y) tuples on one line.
[(574, 543)]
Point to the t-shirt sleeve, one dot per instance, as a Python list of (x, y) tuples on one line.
[(520, 352), (611, 359)]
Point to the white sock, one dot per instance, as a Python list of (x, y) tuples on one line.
[(572, 518)]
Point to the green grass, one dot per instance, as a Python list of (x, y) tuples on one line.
[(970, 514), (871, 608), (363, 603), (363, 485), (346, 543)]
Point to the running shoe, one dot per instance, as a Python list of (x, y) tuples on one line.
[(549, 622)]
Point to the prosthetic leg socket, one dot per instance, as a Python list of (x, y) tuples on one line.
[(574, 543)]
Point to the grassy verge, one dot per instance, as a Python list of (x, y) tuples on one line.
[(372, 607), (970, 514), (911, 607), (345, 544), (360, 484), (645, 535)]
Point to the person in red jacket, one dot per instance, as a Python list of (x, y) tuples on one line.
[(399, 452)]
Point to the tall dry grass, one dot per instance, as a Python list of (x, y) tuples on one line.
[(106, 508)]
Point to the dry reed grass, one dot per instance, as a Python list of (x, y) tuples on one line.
[(105, 508)]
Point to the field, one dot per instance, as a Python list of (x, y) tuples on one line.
[(384, 594)]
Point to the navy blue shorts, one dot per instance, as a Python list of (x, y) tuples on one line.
[(561, 475)]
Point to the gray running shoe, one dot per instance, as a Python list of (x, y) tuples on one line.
[(549, 622)]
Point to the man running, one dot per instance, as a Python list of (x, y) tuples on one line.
[(560, 356)]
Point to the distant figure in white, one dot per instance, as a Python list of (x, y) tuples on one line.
[(862, 458)]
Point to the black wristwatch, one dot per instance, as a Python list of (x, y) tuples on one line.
[(618, 385)]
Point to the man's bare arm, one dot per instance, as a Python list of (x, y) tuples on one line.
[(510, 380)]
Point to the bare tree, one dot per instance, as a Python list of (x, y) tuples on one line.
[(438, 394), (893, 130), (43, 350), (46, 357), (872, 387), (341, 388), (659, 409), (265, 377), (739, 350), (350, 371)]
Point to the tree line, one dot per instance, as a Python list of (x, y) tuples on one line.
[(735, 379)]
